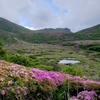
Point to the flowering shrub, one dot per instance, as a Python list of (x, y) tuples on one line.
[(86, 95), (20, 83)]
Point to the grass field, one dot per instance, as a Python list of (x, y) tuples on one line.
[(53, 53)]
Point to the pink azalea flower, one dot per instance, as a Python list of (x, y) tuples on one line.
[(10, 82), (3, 92)]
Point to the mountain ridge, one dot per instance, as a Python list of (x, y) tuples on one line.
[(10, 31), (11, 27), (25, 34), (7, 23), (54, 30)]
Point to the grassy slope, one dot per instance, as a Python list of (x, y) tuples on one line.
[(50, 35), (7, 37), (19, 32), (92, 33), (20, 83), (22, 33), (53, 53), (12, 27)]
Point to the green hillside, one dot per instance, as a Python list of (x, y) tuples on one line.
[(31, 71), (92, 33), (8, 37), (9, 29), (52, 30), (11, 32), (12, 27), (39, 36)]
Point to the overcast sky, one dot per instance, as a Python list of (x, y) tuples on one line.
[(38, 14)]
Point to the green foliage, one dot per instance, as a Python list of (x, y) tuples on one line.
[(66, 90), (91, 47), (95, 48), (61, 92), (49, 68), (69, 44), (74, 71), (26, 61), (54, 66), (2, 51), (1, 45), (92, 33), (11, 32), (70, 53), (23, 60)]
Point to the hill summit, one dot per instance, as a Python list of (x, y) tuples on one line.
[(54, 30), (11, 32)]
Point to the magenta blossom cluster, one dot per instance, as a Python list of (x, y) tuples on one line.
[(14, 79), (56, 78), (86, 95)]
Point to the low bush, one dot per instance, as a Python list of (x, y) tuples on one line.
[(69, 44), (91, 47), (21, 83), (73, 71)]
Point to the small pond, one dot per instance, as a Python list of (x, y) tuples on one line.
[(68, 61)]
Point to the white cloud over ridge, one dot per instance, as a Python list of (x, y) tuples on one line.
[(74, 14)]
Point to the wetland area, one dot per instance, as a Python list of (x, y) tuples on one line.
[(51, 54)]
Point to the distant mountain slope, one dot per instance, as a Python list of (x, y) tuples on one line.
[(92, 33), (52, 30), (11, 32), (12, 27), (9, 29), (56, 35), (7, 37), (39, 36)]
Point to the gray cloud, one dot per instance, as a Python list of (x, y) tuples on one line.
[(81, 13), (41, 13), (42, 18), (15, 10)]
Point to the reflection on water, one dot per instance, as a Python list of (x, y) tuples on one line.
[(68, 61)]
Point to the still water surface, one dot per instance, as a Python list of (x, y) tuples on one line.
[(68, 61)]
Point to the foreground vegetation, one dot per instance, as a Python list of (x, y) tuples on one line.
[(47, 56), (21, 83), (11, 32), (39, 76)]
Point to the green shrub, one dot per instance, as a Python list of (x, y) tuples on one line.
[(22, 60), (66, 90), (44, 67), (70, 53), (27, 61), (95, 48), (73, 71), (69, 44), (61, 92), (92, 47), (2, 51)]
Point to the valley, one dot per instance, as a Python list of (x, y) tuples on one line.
[(30, 68), (89, 63)]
